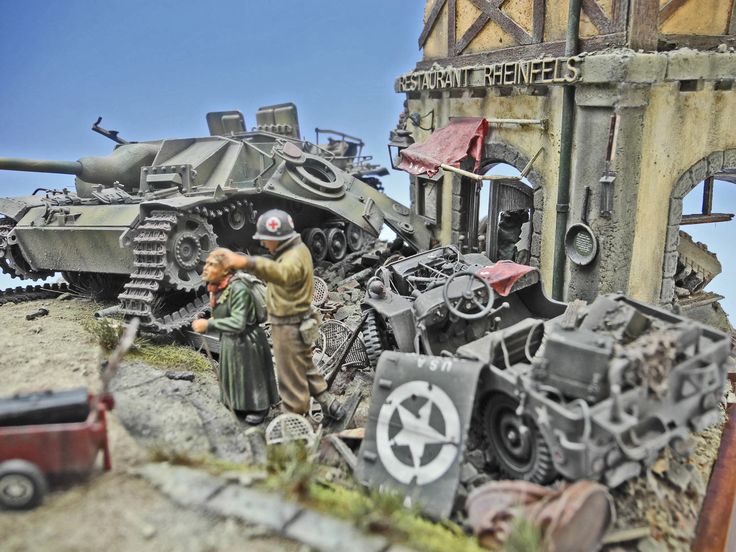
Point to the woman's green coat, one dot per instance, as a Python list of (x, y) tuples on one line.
[(247, 380)]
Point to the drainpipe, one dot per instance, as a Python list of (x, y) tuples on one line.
[(563, 177)]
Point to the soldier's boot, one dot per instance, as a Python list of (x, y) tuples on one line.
[(331, 406)]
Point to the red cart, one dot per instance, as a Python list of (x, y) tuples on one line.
[(47, 435)]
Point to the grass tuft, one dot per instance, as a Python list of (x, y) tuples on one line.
[(171, 357)]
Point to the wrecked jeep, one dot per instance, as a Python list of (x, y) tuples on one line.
[(440, 299), (592, 391)]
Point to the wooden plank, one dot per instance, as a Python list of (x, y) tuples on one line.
[(538, 21), (643, 24), (669, 9), (431, 20), (451, 25), (472, 32), (732, 19), (706, 219), (697, 41)]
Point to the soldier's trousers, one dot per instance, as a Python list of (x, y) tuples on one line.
[(297, 375)]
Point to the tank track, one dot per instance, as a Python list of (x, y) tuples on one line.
[(15, 268), (32, 293), (141, 295)]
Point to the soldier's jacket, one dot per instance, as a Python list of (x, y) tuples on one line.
[(289, 278)]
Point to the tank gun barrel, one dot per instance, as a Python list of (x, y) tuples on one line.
[(123, 165), (40, 165)]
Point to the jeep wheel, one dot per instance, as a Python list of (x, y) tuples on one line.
[(22, 485), (372, 339), (515, 442)]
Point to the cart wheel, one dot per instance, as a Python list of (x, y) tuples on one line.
[(22, 485)]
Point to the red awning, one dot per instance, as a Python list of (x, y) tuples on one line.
[(503, 275), (462, 137)]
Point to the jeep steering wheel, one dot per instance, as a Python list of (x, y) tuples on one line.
[(468, 296)]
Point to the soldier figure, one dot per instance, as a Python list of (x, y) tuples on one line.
[(290, 284)]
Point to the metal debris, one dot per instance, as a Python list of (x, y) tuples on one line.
[(287, 428), (40, 312)]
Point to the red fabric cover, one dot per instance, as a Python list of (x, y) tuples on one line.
[(216, 287), (503, 275), (462, 137)]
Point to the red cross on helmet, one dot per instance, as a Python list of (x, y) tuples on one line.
[(274, 225)]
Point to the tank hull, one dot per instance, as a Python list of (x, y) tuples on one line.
[(83, 238)]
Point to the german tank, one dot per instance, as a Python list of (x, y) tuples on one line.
[(142, 219)]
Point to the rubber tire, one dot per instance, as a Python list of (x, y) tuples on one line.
[(28, 474), (337, 244), (372, 339), (312, 234), (539, 469)]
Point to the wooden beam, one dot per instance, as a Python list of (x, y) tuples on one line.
[(643, 24), (538, 21), (706, 219), (451, 24), (669, 9), (732, 19), (431, 20), (708, 196)]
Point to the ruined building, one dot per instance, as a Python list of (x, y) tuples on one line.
[(630, 108)]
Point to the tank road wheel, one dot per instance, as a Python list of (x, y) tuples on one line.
[(516, 442), (22, 485), (355, 238), (337, 244), (372, 339), (316, 241), (11, 257), (186, 251)]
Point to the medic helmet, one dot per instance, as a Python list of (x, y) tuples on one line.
[(276, 225)]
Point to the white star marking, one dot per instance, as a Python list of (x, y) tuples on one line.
[(416, 433)]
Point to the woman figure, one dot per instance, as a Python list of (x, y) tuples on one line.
[(247, 380)]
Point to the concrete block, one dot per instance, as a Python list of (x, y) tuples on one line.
[(604, 68), (331, 534), (534, 262), (688, 64), (456, 202), (673, 238), (646, 68), (729, 159), (675, 210), (185, 486), (537, 219), (723, 65), (539, 198), (536, 249), (455, 220), (668, 290), (715, 162), (253, 506), (699, 171), (670, 264)]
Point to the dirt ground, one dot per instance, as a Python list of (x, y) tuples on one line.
[(109, 511)]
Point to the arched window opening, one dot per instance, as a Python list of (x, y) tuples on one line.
[(504, 214), (706, 220)]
